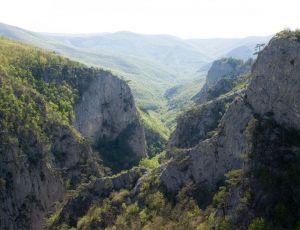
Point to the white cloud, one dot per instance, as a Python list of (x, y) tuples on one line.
[(184, 18)]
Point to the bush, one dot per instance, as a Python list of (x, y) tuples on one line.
[(258, 224), (289, 34)]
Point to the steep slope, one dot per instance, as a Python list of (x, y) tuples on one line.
[(180, 98), (243, 175), (106, 115), (221, 76), (42, 154), (202, 119), (155, 133), (277, 60), (269, 105)]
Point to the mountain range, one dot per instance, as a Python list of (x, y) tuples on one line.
[(152, 63)]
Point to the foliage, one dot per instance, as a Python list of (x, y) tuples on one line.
[(2, 183), (152, 123), (117, 154), (258, 224), (153, 162), (155, 132), (289, 34), (38, 91), (274, 172)]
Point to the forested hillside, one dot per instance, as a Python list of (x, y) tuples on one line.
[(43, 154)]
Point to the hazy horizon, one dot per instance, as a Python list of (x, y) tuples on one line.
[(132, 32), (184, 19)]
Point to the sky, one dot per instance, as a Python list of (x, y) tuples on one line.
[(182, 18)]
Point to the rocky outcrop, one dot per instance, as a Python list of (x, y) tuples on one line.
[(202, 121), (220, 78), (223, 85), (276, 86), (196, 124), (273, 91), (207, 161), (35, 179), (28, 192), (106, 111)]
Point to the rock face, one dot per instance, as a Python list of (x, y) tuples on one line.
[(106, 115), (226, 70), (276, 86), (34, 182), (273, 91), (29, 195), (223, 85), (207, 161), (106, 109), (195, 125)]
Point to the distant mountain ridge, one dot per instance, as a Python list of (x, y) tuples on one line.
[(171, 53)]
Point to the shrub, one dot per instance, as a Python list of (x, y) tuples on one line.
[(258, 224), (289, 34)]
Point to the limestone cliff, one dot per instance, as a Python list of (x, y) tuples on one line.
[(273, 90), (220, 77), (106, 115), (35, 178), (198, 123)]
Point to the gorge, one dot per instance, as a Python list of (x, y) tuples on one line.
[(87, 148)]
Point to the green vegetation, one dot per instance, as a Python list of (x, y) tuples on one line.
[(117, 154), (27, 103), (258, 224), (289, 34), (179, 99), (51, 76), (151, 208), (274, 172), (39, 88), (155, 132), (44, 75), (153, 162), (2, 183), (38, 91), (152, 64), (153, 124)]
